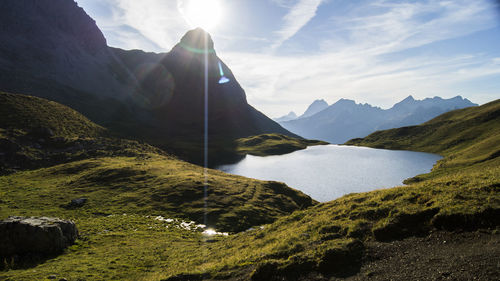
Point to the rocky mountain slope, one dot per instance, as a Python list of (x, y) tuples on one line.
[(53, 49), (346, 119)]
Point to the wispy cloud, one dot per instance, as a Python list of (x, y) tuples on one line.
[(365, 49), (148, 24), (379, 27), (278, 85), (297, 17), (357, 58)]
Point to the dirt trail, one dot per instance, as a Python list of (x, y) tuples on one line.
[(439, 256)]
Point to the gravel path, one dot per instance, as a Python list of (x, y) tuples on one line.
[(439, 256)]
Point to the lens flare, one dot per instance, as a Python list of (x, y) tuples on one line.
[(223, 79), (202, 13)]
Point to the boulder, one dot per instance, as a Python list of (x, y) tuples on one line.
[(20, 236), (75, 203)]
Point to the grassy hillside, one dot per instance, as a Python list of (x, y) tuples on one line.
[(35, 132), (461, 193), (43, 116), (464, 137), (122, 239), (148, 184), (272, 144), (119, 175), (325, 240)]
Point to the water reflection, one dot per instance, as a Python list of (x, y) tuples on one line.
[(331, 171)]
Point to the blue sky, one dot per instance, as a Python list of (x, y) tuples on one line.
[(287, 53)]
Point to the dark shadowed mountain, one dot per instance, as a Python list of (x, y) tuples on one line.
[(345, 119), (53, 49), (290, 116)]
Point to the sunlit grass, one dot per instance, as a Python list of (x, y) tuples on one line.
[(122, 240), (270, 144)]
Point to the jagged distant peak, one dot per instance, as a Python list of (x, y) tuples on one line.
[(319, 101), (315, 107), (409, 98), (459, 97), (406, 101), (435, 98), (290, 116), (343, 101), (436, 101)]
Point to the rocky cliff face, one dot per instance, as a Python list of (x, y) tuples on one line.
[(55, 42), (173, 89), (53, 49)]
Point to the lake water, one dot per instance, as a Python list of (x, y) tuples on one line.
[(327, 172)]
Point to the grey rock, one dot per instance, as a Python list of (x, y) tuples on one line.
[(79, 202), (35, 235)]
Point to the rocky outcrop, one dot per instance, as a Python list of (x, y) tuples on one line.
[(42, 236), (75, 203), (62, 55), (54, 50)]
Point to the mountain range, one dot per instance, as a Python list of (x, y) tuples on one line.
[(290, 116), (312, 109), (53, 49), (345, 119)]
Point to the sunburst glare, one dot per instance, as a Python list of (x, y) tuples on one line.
[(206, 14)]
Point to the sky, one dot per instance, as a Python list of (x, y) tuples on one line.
[(288, 53)]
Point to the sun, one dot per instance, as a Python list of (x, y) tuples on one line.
[(202, 13)]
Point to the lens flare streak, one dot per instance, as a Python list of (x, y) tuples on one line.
[(223, 79)]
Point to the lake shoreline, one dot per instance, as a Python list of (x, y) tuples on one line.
[(330, 171)]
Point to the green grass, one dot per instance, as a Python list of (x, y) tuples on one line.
[(33, 114), (35, 132), (150, 184), (120, 175), (462, 192), (272, 144), (123, 247), (464, 137), (305, 241)]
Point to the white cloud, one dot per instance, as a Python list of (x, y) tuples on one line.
[(352, 66), (354, 60), (159, 21), (402, 25), (298, 16), (277, 85), (152, 25)]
